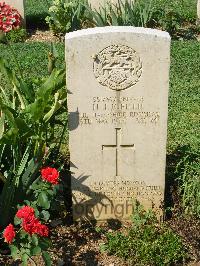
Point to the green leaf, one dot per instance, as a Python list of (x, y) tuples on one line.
[(43, 200), (9, 114), (24, 258), (27, 90), (36, 109), (34, 240), (17, 221), (23, 235), (46, 258), (54, 109), (10, 136), (45, 215), (51, 192), (44, 243), (22, 165), (14, 252), (22, 126), (29, 175), (27, 202), (2, 119), (7, 200), (34, 187), (36, 250)]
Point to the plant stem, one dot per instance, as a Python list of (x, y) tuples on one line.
[(62, 136), (15, 59)]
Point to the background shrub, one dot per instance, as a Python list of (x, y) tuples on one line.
[(146, 243), (171, 16), (17, 35), (67, 15), (36, 12)]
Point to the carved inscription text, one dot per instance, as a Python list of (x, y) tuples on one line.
[(118, 111), (120, 190)]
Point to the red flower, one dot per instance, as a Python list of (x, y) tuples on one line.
[(33, 226), (50, 175), (41, 230), (9, 233), (30, 223), (25, 212), (9, 18)]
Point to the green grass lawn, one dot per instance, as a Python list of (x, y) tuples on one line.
[(184, 100), (183, 127)]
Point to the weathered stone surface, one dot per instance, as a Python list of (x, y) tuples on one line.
[(98, 3), (117, 79), (198, 12), (19, 5)]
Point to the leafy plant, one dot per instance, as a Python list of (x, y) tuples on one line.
[(146, 243), (17, 35), (29, 237), (67, 15), (188, 171), (29, 115), (124, 13), (36, 12), (10, 24), (173, 15)]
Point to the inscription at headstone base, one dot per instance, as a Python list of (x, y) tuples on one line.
[(19, 5), (117, 80)]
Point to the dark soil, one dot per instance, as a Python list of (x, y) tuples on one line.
[(76, 244)]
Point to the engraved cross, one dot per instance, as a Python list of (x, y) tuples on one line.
[(117, 148)]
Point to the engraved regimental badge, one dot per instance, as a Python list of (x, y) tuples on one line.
[(117, 67)]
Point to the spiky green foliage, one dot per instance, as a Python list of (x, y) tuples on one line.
[(29, 115)]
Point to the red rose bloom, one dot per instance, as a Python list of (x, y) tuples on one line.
[(50, 175), (9, 233), (33, 226), (29, 224), (41, 230), (25, 212)]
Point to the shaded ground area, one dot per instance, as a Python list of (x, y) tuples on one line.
[(74, 245), (80, 245), (189, 230)]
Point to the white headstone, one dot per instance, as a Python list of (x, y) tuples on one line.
[(198, 12), (95, 4), (118, 81), (19, 5)]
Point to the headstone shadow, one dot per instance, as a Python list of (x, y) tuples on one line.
[(74, 118), (84, 209)]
